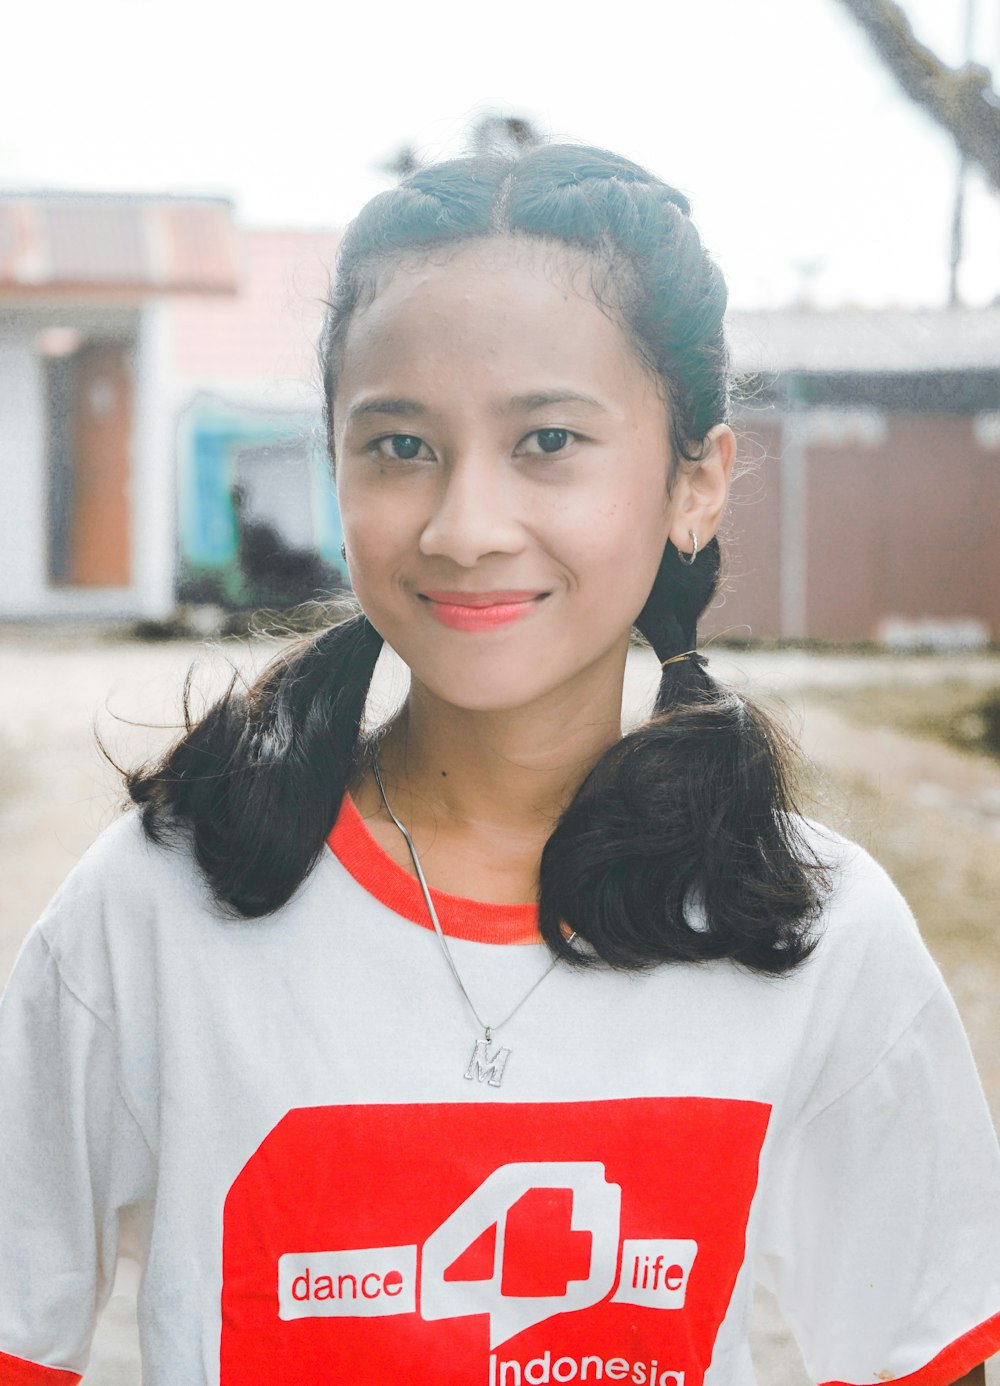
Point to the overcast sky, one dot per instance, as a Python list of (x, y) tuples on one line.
[(804, 163)]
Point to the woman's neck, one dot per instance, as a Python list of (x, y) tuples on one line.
[(516, 769), (480, 792)]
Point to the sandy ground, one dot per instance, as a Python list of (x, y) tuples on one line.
[(56, 794)]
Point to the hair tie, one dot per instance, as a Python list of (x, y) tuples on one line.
[(684, 655)]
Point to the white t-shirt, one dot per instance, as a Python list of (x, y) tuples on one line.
[(288, 1122)]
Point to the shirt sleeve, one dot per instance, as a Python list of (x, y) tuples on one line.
[(881, 1232), (74, 1164)]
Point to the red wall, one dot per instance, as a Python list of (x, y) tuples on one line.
[(750, 540), (906, 528)]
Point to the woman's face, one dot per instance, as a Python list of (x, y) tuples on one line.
[(502, 468)]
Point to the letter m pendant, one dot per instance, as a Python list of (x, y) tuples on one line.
[(488, 1068)]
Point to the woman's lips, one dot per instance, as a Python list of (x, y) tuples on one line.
[(480, 610)]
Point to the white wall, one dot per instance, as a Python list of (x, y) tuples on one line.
[(25, 589), (154, 502), (23, 538)]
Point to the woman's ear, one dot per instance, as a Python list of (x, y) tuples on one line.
[(701, 490)]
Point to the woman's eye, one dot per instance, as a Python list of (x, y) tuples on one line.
[(550, 439), (399, 447)]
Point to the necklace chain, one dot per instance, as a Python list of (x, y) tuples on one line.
[(486, 1029)]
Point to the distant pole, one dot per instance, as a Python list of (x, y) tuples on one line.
[(957, 218), (794, 566), (958, 212)]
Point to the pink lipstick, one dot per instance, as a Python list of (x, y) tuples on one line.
[(479, 611)]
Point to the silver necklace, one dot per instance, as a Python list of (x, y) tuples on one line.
[(487, 1067)]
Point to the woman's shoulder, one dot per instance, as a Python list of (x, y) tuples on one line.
[(123, 861), (108, 918), (870, 948), (860, 888), (122, 886), (862, 902)]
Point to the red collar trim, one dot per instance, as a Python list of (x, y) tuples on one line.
[(358, 852)]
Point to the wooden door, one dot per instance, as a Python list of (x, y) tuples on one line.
[(100, 522)]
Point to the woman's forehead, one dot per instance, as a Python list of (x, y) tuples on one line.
[(505, 303), (510, 249), (473, 266)]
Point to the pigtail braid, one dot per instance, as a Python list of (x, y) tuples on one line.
[(688, 818), (257, 783)]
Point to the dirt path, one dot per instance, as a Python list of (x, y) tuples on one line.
[(931, 815)]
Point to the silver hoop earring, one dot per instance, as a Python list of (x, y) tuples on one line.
[(689, 562), (343, 552)]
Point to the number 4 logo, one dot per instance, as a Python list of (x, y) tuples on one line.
[(471, 1264)]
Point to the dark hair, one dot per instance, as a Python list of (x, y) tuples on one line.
[(692, 806)]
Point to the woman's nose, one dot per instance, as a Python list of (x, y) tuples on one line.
[(475, 514)]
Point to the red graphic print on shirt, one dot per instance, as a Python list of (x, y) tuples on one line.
[(489, 1243)]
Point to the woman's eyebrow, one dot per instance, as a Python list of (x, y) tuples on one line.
[(524, 404), (517, 404), (393, 407)]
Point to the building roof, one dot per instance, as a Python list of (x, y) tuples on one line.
[(780, 341), (97, 243)]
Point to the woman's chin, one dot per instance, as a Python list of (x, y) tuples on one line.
[(487, 686), (471, 694)]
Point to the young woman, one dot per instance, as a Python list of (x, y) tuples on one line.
[(491, 1046)]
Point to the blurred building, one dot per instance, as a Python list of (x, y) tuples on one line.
[(161, 438), (158, 409), (873, 509), (257, 520), (85, 427)]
